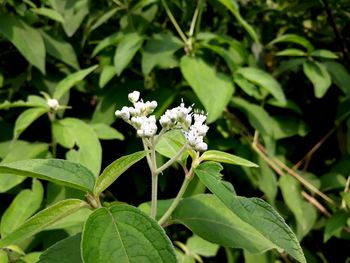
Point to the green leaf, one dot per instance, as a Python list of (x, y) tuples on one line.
[(32, 257), (64, 251), (122, 233), (287, 126), (25, 204), (71, 131), (170, 143), (26, 118), (223, 157), (257, 116), (68, 82), (50, 13), (253, 211), (201, 246), (208, 85), (126, 50), (115, 169), (159, 49), (26, 39), (340, 76), (41, 220), (303, 211), (107, 73), (267, 181), (334, 225), (248, 87), (73, 11), (324, 53), (210, 219), (105, 132), (292, 38), (60, 49), (291, 52), (3, 256), (108, 41), (264, 80), (319, 76), (54, 170), (233, 7), (32, 101), (15, 151)]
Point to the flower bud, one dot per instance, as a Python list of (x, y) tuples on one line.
[(134, 96), (53, 104)]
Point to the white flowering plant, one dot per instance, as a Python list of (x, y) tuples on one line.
[(118, 232)]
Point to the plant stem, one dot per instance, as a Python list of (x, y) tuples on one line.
[(177, 199), (175, 24), (153, 167), (195, 18), (172, 160)]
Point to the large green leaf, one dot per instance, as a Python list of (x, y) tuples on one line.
[(233, 7), (121, 233), (208, 85), (264, 80), (25, 204), (126, 50), (223, 157), (317, 73), (115, 169), (71, 132), (18, 150), (68, 82), (60, 49), (253, 211), (304, 212), (64, 251), (26, 118), (105, 132), (26, 39), (50, 13), (58, 171), (210, 219), (158, 51), (41, 220)]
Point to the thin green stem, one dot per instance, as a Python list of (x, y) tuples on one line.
[(172, 160), (177, 199), (153, 167), (52, 117), (175, 24), (194, 19), (148, 157), (159, 136)]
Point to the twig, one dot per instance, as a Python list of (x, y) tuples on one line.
[(315, 203)]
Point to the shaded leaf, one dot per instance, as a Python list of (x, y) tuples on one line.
[(293, 52), (64, 251), (26, 118), (170, 143), (68, 82), (208, 85), (264, 80), (105, 132), (340, 76), (324, 53), (335, 224), (319, 76), (292, 38), (50, 13), (126, 50), (26, 39), (158, 50)]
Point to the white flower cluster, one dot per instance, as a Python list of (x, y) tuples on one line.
[(197, 132), (180, 117), (53, 104), (138, 117)]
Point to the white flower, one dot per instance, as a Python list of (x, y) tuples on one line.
[(145, 126), (197, 131), (53, 104), (134, 96)]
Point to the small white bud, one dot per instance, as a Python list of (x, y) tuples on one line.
[(201, 146), (164, 121), (53, 104), (153, 104), (134, 96)]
